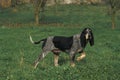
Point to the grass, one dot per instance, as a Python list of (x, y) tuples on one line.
[(17, 54)]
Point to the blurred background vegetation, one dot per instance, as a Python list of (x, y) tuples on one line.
[(38, 8)]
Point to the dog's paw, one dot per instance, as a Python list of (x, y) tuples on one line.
[(72, 64)]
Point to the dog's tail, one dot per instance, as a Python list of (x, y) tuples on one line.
[(37, 42)]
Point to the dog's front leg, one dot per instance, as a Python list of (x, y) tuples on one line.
[(56, 57), (81, 56), (72, 59)]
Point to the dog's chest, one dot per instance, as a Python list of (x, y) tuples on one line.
[(76, 47)]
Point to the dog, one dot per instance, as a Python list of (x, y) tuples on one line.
[(70, 45)]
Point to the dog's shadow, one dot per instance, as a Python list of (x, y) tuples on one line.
[(66, 60), (63, 60)]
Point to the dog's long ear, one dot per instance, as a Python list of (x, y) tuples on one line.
[(83, 39), (91, 41)]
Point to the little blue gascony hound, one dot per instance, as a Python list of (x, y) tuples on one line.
[(70, 45)]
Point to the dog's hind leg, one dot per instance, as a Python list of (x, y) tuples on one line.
[(41, 56), (56, 53)]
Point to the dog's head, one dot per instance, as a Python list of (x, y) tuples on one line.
[(87, 36)]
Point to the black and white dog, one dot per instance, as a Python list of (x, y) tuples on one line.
[(71, 45)]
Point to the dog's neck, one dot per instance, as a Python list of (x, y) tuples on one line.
[(78, 41)]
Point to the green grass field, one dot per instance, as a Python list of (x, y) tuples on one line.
[(17, 54)]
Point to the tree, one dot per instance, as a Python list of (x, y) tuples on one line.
[(38, 6), (13, 3), (114, 7)]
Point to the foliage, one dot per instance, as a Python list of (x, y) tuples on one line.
[(67, 15), (114, 7), (114, 4), (38, 6), (5, 3)]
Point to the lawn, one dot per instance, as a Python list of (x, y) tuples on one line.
[(17, 54)]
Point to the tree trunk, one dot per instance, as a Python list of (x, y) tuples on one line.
[(113, 22), (37, 11), (38, 5), (13, 3), (113, 19), (36, 18)]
